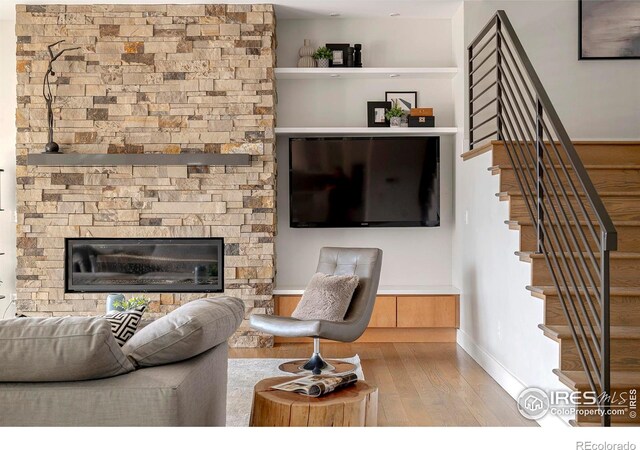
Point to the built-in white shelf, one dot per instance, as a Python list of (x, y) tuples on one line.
[(365, 131), (383, 290), (315, 73)]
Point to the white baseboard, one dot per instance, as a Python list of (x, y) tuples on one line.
[(508, 381)]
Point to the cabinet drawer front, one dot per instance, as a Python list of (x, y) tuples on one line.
[(285, 305), (427, 311), (384, 313)]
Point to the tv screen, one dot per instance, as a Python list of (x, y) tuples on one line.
[(364, 182)]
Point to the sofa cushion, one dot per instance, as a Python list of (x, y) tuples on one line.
[(59, 349), (185, 332), (124, 323), (327, 297)]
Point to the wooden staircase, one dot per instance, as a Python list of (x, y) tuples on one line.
[(614, 168)]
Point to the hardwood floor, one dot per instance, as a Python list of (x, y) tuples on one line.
[(419, 384)]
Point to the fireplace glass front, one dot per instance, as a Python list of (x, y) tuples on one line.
[(144, 265)]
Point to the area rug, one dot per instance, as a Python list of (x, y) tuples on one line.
[(244, 373)]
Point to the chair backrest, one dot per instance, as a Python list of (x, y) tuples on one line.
[(364, 262)]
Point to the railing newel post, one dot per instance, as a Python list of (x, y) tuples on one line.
[(499, 78), (539, 175), (470, 51)]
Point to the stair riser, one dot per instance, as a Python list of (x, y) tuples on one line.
[(624, 311), (628, 238), (624, 273), (611, 180), (589, 154), (624, 355), (619, 208)]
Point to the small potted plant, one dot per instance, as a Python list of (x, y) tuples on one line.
[(395, 115), (134, 302), (322, 56)]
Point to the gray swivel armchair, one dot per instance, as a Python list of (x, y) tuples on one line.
[(366, 263)]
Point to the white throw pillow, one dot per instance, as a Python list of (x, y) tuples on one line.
[(327, 297)]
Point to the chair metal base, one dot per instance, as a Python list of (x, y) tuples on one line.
[(316, 364)]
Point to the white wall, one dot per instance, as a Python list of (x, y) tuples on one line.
[(412, 256), (8, 163), (594, 99)]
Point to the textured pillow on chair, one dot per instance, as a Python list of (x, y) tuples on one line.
[(327, 297), (185, 332), (59, 349)]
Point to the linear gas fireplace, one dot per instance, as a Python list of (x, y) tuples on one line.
[(144, 265)]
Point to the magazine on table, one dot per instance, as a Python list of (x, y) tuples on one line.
[(318, 385)]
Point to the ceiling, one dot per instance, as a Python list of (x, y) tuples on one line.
[(293, 9)]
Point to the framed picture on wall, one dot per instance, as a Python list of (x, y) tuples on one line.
[(609, 29), (406, 99), (376, 114)]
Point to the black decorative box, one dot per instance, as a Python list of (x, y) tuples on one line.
[(422, 121)]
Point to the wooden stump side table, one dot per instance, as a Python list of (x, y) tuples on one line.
[(353, 406)]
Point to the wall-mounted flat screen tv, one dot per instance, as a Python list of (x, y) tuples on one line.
[(364, 182)]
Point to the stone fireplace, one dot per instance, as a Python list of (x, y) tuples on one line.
[(148, 80)]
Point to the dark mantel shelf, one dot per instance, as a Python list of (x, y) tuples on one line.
[(149, 159)]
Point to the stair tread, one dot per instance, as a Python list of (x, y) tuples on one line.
[(586, 166), (624, 223), (564, 332), (619, 379), (613, 255), (619, 291), (629, 193)]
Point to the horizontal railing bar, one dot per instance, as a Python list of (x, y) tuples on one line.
[(596, 202), (484, 137), (483, 32), (484, 91), (575, 193), (483, 61), (482, 78), (510, 115), (572, 330), (484, 107), (484, 121), (560, 255), (525, 84), (487, 42), (554, 171)]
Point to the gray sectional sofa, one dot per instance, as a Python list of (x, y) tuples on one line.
[(174, 371)]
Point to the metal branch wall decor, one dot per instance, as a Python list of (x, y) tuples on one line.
[(51, 146)]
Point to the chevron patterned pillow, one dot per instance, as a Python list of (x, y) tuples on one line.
[(124, 323)]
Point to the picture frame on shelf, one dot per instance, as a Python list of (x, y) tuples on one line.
[(339, 54), (406, 99), (376, 114)]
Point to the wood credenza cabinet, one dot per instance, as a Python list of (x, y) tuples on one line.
[(398, 318)]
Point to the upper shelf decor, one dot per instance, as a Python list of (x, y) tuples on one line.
[(51, 146), (306, 55)]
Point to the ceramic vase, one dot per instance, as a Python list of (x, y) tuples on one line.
[(306, 55), (111, 298), (324, 63), (395, 122)]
